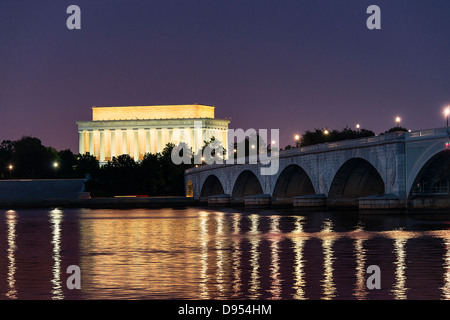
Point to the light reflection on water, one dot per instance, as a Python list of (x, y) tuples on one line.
[(199, 253)]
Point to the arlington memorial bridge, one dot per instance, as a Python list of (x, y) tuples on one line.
[(399, 170)]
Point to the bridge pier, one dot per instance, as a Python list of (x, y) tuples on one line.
[(221, 200), (258, 201), (311, 201), (282, 202), (377, 202)]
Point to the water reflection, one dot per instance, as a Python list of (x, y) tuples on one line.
[(236, 256), (223, 254), (203, 220), (329, 290), (254, 256), (11, 222), (275, 286), (220, 246), (400, 289), (446, 287), (299, 274), (360, 291), (56, 216)]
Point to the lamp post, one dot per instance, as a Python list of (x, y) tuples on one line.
[(397, 120), (447, 112), (10, 167), (55, 166), (326, 132), (297, 140)]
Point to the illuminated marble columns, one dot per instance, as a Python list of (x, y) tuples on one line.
[(102, 146), (108, 139), (81, 143)]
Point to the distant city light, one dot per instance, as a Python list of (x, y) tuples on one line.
[(10, 167), (447, 111)]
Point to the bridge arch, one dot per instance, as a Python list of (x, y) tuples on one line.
[(421, 161), (246, 184), (433, 178), (292, 181), (355, 178), (211, 187)]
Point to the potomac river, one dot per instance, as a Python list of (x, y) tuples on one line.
[(226, 253)]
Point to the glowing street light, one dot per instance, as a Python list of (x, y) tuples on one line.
[(10, 167), (55, 165), (357, 126), (297, 140), (397, 120), (326, 132), (446, 113)]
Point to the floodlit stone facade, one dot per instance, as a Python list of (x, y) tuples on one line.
[(137, 130)]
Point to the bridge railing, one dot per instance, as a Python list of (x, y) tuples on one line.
[(438, 132), (382, 138)]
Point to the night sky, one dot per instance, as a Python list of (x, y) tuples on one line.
[(291, 65)]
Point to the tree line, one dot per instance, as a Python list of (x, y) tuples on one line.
[(154, 175)]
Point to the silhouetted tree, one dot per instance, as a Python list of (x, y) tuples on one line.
[(31, 159), (6, 151), (66, 164), (396, 129), (85, 164), (320, 136)]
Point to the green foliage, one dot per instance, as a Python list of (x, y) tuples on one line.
[(250, 144), (6, 151), (31, 159), (154, 175), (321, 136), (396, 129)]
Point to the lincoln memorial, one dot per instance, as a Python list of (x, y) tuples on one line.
[(137, 130)]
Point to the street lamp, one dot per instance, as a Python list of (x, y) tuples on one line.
[(297, 140), (397, 120), (10, 167), (55, 165), (446, 113), (357, 126), (326, 132)]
